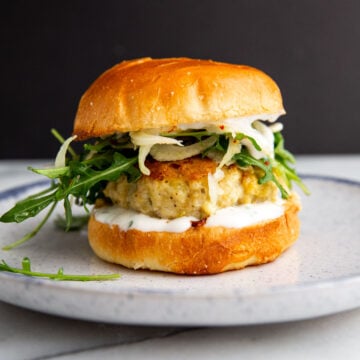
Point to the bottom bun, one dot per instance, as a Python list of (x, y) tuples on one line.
[(199, 250)]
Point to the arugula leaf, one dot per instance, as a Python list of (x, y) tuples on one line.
[(280, 150), (241, 136), (85, 177), (82, 182), (244, 159), (282, 158), (68, 213), (82, 178), (28, 207), (33, 232), (52, 173), (221, 143), (26, 270), (112, 142)]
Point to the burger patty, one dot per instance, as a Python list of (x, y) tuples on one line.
[(185, 188)]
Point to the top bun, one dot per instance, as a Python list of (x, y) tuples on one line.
[(152, 93)]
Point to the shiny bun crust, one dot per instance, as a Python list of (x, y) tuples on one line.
[(153, 93), (199, 250)]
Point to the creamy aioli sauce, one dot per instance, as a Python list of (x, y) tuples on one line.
[(231, 217)]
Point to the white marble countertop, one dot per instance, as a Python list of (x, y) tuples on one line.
[(25, 334)]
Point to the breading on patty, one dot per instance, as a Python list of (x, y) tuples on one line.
[(183, 188)]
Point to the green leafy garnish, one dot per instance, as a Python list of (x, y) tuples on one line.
[(52, 173), (244, 159), (241, 136), (60, 276), (283, 159), (83, 178), (32, 233)]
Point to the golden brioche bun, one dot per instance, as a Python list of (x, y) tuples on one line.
[(149, 93), (199, 250)]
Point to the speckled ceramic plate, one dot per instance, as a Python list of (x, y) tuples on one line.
[(319, 275)]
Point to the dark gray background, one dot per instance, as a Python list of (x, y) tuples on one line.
[(53, 50)]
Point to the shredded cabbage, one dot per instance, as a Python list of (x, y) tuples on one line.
[(213, 182), (145, 141), (165, 152), (141, 138), (60, 160), (266, 141), (143, 153), (234, 147), (277, 127)]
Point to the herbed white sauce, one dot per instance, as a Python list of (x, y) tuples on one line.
[(231, 217)]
